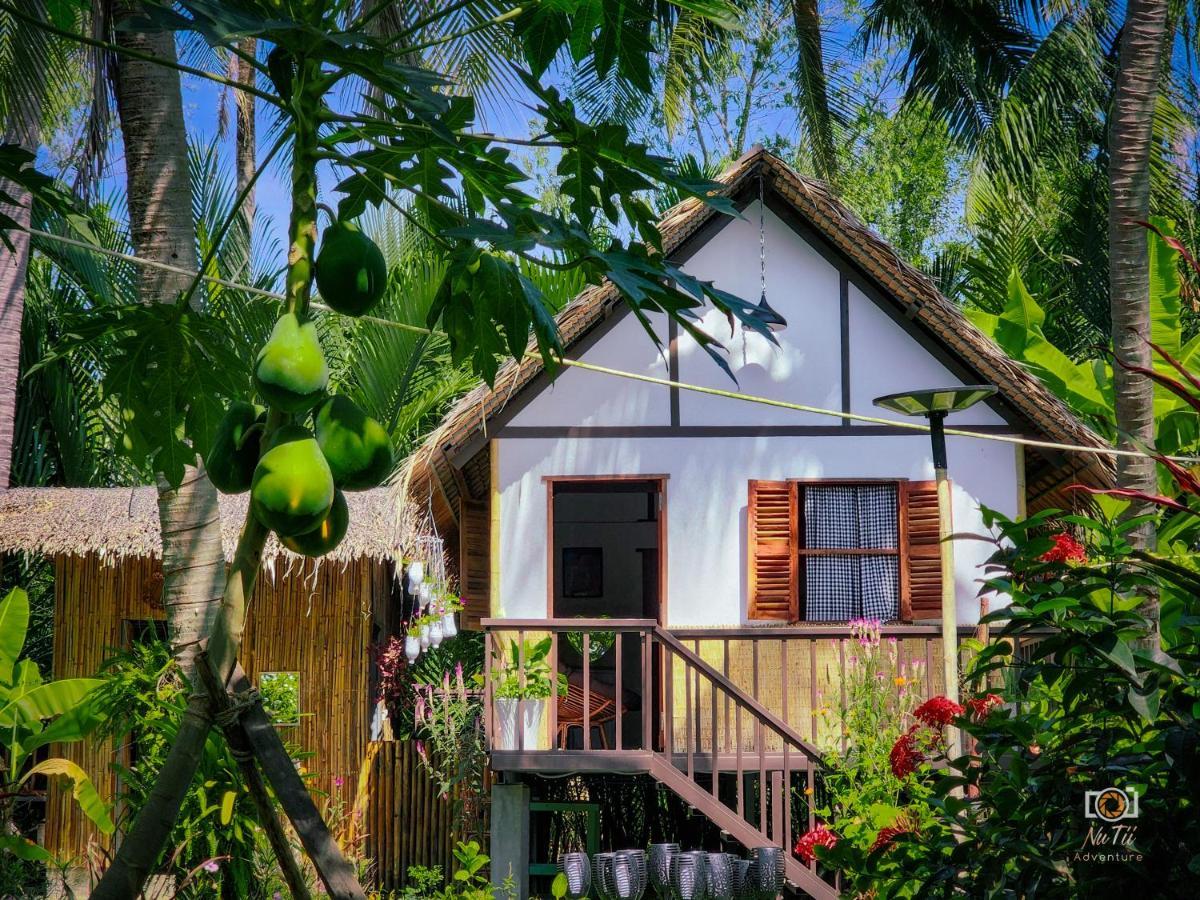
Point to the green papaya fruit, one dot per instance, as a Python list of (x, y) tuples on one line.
[(290, 371), (292, 490), (233, 456), (351, 272), (325, 536), (356, 447)]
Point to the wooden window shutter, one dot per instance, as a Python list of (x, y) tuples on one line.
[(475, 562), (921, 560), (773, 577)]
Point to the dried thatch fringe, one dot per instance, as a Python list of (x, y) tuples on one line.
[(123, 522)]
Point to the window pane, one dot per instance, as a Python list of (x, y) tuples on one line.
[(880, 587), (850, 517), (832, 588), (877, 516), (830, 516)]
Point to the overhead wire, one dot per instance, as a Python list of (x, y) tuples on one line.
[(844, 415)]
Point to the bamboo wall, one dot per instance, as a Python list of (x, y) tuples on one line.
[(315, 620), (408, 823)]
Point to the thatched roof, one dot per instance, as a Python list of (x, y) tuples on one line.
[(817, 206), (120, 522)]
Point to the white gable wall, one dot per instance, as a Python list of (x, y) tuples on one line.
[(707, 476)]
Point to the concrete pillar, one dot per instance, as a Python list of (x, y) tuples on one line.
[(509, 849)]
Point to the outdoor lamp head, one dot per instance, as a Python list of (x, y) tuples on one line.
[(935, 401)]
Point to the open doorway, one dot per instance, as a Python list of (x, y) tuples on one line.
[(607, 548), (607, 560)]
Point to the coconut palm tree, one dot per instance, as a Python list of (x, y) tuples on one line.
[(1022, 95), (1130, 130)]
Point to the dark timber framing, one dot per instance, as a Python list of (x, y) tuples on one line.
[(850, 274)]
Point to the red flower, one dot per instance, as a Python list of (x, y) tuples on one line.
[(981, 707), (1065, 550), (905, 755), (904, 825), (937, 712), (807, 843)]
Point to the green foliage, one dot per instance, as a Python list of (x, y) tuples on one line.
[(33, 714), (1091, 703), (469, 881), (144, 698), (879, 693), (281, 696), (525, 674), (1086, 385)]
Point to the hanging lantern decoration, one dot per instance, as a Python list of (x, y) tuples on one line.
[(412, 648), (764, 312)]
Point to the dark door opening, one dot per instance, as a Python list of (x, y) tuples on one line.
[(607, 561)]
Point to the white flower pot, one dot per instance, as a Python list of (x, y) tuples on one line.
[(507, 711), (449, 626), (435, 633), (412, 648), (424, 637)]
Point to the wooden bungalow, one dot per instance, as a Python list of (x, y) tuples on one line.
[(317, 620), (725, 543)]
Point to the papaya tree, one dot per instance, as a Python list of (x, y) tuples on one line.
[(33, 714), (416, 147)]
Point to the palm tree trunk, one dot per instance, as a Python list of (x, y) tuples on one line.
[(245, 135), (24, 128), (13, 265), (1130, 134), (150, 107)]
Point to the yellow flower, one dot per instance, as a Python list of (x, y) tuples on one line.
[(808, 792), (900, 680)]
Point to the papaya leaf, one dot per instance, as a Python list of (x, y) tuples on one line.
[(84, 791)]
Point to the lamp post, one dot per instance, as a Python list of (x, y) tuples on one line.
[(935, 405)]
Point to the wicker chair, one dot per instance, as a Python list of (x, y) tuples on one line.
[(601, 711)]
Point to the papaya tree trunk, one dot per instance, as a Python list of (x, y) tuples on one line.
[(154, 822), (1130, 133), (161, 226)]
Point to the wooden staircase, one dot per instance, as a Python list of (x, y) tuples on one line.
[(706, 740), (714, 750)]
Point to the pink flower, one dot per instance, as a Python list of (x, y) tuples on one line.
[(339, 781), (1065, 550), (807, 843), (905, 756), (937, 712), (211, 866)]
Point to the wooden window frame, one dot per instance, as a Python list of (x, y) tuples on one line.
[(796, 602), (803, 553)]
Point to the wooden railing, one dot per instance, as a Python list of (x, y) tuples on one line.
[(698, 732)]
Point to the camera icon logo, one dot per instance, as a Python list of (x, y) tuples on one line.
[(1112, 804)]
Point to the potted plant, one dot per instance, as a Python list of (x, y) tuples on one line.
[(450, 606), (412, 642), (524, 698)]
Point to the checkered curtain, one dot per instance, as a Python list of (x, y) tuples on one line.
[(839, 588)]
